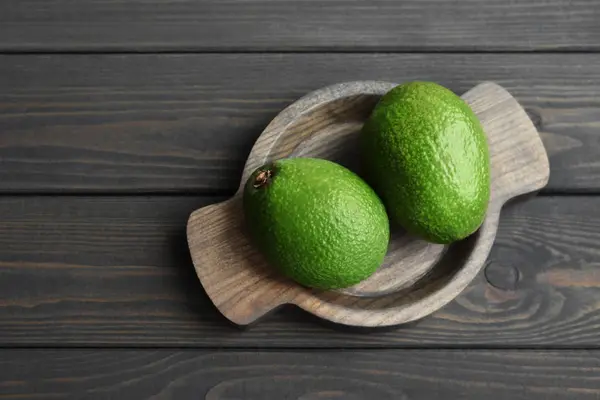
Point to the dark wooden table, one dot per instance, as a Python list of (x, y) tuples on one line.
[(120, 117)]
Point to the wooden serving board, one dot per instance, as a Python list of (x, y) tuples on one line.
[(417, 278)]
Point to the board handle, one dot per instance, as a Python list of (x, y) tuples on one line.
[(234, 274)]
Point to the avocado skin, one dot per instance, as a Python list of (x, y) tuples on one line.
[(425, 153), (316, 222)]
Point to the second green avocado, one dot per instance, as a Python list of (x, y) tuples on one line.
[(426, 155)]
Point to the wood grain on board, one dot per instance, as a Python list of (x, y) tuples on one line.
[(181, 123), (383, 374), (301, 25), (96, 271), (413, 280)]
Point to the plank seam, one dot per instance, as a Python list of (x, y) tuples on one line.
[(383, 51), (300, 348)]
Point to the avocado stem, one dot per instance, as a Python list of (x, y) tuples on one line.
[(262, 179)]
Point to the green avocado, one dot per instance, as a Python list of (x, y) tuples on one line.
[(316, 222), (426, 155)]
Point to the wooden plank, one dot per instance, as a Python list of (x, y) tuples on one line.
[(102, 271), (179, 123), (383, 374), (258, 25)]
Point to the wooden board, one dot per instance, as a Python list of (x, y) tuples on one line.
[(152, 123), (385, 374), (415, 279), (115, 271), (301, 25)]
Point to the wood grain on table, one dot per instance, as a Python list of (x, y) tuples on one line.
[(118, 118), (323, 374), (186, 123), (105, 271), (300, 25)]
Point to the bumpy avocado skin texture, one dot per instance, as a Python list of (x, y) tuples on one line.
[(426, 154), (317, 222)]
